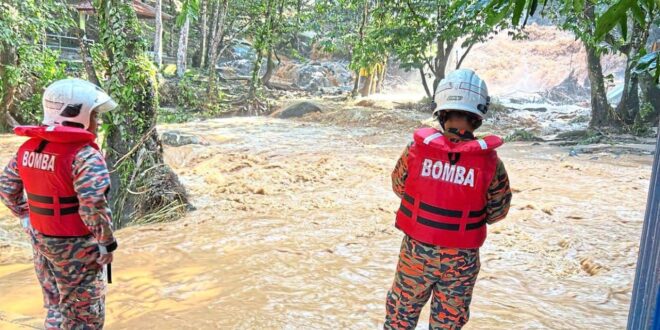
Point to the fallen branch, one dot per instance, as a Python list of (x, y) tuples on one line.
[(143, 139)]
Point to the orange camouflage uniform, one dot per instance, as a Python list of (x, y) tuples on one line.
[(447, 274), (71, 280)]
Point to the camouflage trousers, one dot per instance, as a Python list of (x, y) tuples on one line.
[(423, 270), (72, 282)]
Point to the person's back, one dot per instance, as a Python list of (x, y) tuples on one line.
[(66, 214), (451, 186)]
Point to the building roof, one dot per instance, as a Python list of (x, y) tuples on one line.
[(142, 10)]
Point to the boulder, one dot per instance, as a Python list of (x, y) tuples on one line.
[(177, 139), (297, 110)]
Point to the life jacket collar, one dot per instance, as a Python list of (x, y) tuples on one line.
[(434, 138), (56, 134)]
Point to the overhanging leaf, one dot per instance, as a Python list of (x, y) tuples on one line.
[(532, 7), (578, 5), (496, 18), (609, 19), (638, 13), (517, 11), (623, 24)]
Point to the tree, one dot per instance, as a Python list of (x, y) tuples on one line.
[(424, 34), (158, 38), (217, 35), (583, 24), (188, 14), (602, 25), (204, 36), (144, 188)]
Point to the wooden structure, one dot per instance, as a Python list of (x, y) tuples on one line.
[(143, 10)]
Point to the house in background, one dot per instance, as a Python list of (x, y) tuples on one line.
[(67, 42)]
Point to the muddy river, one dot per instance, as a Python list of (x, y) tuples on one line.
[(294, 230)]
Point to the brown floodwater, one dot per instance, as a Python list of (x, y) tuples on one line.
[(294, 230)]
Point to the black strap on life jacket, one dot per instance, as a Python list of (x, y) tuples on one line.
[(41, 147), (49, 200), (443, 213)]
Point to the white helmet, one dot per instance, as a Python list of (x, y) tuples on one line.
[(462, 90), (72, 101)]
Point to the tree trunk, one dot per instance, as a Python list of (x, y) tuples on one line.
[(426, 86), (87, 57), (601, 112), (158, 38), (144, 188), (381, 77), (467, 51), (170, 49), (213, 35), (363, 24), (628, 108), (254, 81), (356, 83), (441, 60), (270, 64), (366, 87), (296, 37), (650, 95), (181, 60), (270, 67), (218, 32), (204, 26)]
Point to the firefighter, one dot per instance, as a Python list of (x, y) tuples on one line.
[(452, 185), (57, 185)]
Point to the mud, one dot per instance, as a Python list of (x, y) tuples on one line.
[(294, 230)]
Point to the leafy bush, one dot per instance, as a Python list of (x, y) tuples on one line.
[(37, 70), (169, 71)]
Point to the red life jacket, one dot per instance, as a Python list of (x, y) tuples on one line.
[(446, 189), (45, 164)]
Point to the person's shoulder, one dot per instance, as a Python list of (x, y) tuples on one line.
[(88, 151), (500, 168), (90, 156)]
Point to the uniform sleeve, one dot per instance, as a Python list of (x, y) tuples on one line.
[(400, 173), (11, 190), (499, 195), (91, 181)]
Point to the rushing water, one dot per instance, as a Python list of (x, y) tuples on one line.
[(294, 230)]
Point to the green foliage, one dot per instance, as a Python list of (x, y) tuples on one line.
[(169, 71), (522, 135), (189, 94), (43, 69), (646, 112), (131, 71), (174, 116), (23, 22), (337, 24), (649, 63), (22, 26), (189, 10)]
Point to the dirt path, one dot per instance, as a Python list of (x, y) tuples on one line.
[(294, 230)]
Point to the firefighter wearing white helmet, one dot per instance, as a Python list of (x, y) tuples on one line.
[(65, 179), (463, 92), (73, 102), (452, 186)]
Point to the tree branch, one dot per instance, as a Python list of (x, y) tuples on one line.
[(460, 62)]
